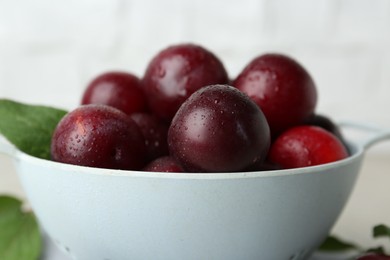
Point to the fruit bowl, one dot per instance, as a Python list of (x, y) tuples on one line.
[(94, 213)]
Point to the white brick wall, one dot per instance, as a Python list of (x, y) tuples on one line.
[(49, 50)]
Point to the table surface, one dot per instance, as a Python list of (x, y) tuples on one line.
[(368, 205)]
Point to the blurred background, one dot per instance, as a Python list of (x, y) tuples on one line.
[(50, 50)]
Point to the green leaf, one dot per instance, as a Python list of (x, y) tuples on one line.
[(377, 250), (29, 127), (19, 233), (333, 243), (381, 231)]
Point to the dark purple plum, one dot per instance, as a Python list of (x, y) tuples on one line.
[(164, 164), (155, 132), (281, 87), (175, 73), (264, 166), (218, 129), (99, 136), (117, 89), (373, 256)]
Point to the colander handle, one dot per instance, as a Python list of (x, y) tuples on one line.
[(7, 148), (372, 133)]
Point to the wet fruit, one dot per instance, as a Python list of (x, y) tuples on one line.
[(155, 133), (218, 129), (99, 136), (177, 72), (164, 164), (117, 89), (374, 256), (303, 146), (281, 87), (327, 124)]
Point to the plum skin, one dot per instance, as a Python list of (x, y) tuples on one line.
[(155, 132), (118, 89), (281, 87), (306, 145), (218, 129), (164, 164), (175, 73), (374, 256), (327, 124), (98, 136)]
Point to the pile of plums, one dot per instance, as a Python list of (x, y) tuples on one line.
[(186, 115)]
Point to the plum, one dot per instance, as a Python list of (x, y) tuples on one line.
[(175, 73), (218, 129), (121, 90), (99, 136), (155, 132), (281, 87), (303, 146), (374, 256), (164, 164)]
